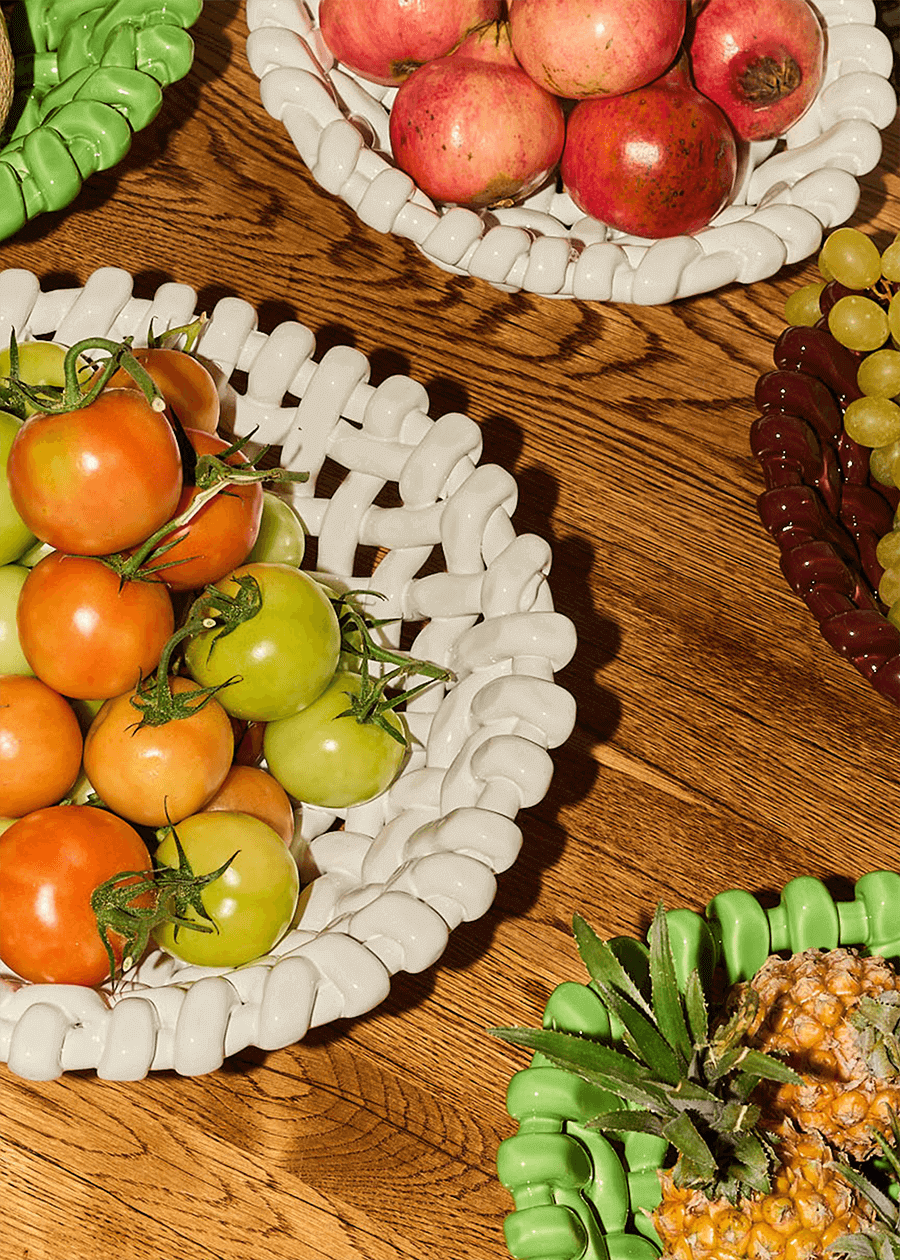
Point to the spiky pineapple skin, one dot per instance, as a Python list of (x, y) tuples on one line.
[(809, 1206), (805, 1006)]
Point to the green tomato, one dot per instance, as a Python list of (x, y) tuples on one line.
[(40, 363), (252, 903), (279, 660), (15, 536), (321, 758), (281, 538), (12, 658)]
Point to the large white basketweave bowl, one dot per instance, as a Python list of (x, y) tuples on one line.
[(791, 193), (405, 869)]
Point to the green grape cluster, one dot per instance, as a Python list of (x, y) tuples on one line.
[(866, 321)]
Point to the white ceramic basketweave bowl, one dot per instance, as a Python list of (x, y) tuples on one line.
[(793, 191), (396, 875)]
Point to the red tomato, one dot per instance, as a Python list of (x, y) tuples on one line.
[(85, 632), (50, 862), (40, 746), (220, 536), (97, 480), (185, 384), (158, 774), (251, 790)]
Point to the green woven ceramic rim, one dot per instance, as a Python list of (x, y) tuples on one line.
[(89, 75), (578, 1197)]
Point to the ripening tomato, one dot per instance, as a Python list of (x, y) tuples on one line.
[(15, 536), (157, 774), (251, 790), (326, 759), (184, 382), (50, 863), (281, 538), (97, 480), (12, 658), (251, 904), (40, 745), (283, 657), (87, 633), (219, 537)]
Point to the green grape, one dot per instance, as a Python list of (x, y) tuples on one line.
[(872, 421), (879, 373), (852, 258), (802, 307), (893, 615), (890, 260), (887, 553), (889, 587), (882, 462), (859, 323)]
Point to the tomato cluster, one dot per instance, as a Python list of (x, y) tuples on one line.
[(158, 638)]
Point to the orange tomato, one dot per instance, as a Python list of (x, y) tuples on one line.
[(252, 790), (40, 745)]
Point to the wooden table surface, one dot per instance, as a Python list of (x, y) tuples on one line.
[(720, 742)]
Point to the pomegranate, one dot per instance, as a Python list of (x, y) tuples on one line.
[(760, 60), (659, 161), (472, 129), (585, 48), (385, 40)]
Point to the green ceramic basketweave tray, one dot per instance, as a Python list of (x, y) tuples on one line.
[(89, 74), (579, 1197)]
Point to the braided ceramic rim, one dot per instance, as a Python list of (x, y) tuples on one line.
[(409, 867), (789, 196)]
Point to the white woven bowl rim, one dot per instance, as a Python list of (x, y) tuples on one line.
[(790, 194), (409, 867)]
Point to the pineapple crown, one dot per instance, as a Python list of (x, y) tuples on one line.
[(678, 1076)]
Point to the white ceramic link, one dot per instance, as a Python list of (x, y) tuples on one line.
[(339, 125), (392, 877)]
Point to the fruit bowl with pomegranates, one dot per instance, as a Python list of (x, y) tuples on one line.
[(631, 152), (83, 77), (728, 1088), (360, 739)]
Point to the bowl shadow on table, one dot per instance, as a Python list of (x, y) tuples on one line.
[(149, 145)]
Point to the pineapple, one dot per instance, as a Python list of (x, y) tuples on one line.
[(809, 1207), (832, 1016), (742, 1184)]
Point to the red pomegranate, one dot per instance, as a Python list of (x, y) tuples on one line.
[(585, 48), (761, 61), (660, 161), (472, 128), (385, 40)]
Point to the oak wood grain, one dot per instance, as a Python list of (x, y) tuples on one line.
[(720, 741)]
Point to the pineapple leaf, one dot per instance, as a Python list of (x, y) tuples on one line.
[(643, 1038), (626, 1122), (696, 1160), (885, 1207), (864, 1246), (752, 1163), (668, 1007), (603, 966), (695, 1007), (590, 1059)]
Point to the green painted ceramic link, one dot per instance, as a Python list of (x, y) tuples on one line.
[(89, 74), (873, 917), (805, 918), (579, 1197)]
